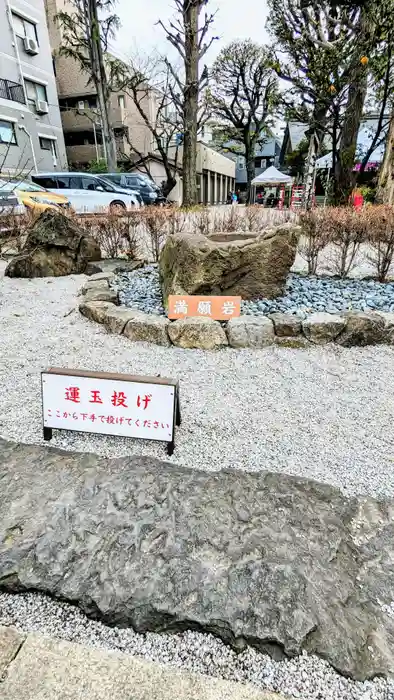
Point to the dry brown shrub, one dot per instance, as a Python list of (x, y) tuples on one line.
[(14, 229), (117, 234), (345, 228), (379, 228), (157, 222), (314, 237)]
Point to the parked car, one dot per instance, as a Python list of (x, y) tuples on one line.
[(87, 192), (32, 196), (149, 191)]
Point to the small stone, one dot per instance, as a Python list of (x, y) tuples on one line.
[(95, 310), (149, 328), (362, 329), (102, 294), (292, 342), (109, 276), (10, 642), (250, 332), (116, 319), (196, 332), (321, 327), (286, 324), (95, 286)]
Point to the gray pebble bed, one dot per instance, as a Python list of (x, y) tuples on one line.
[(304, 295), (323, 413), (305, 677)]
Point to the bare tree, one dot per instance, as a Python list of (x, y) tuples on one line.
[(86, 32), (243, 95), (149, 84), (192, 43)]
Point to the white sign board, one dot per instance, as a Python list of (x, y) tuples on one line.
[(135, 407)]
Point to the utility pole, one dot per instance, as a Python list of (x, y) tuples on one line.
[(101, 83)]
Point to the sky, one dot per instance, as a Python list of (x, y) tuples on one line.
[(235, 19)]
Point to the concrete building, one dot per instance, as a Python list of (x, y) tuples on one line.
[(31, 135), (266, 155), (79, 105)]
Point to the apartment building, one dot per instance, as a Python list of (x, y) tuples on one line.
[(79, 106), (31, 135)]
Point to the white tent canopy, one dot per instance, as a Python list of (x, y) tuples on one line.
[(272, 176)]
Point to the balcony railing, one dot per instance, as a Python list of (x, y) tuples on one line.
[(12, 91)]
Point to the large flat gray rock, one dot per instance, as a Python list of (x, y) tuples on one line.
[(283, 563)]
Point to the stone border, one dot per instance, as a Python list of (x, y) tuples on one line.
[(353, 328)]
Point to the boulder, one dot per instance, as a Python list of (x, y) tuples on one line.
[(280, 562), (250, 332), (247, 265), (148, 328), (286, 325), (55, 246), (196, 332), (321, 327), (362, 328)]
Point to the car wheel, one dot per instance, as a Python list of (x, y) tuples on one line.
[(117, 207)]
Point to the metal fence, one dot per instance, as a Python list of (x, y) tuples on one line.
[(12, 91)]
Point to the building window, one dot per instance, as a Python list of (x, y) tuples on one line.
[(121, 101), (34, 92), (48, 145), (7, 132), (23, 28)]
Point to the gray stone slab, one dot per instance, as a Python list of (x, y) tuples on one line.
[(10, 642), (49, 669), (250, 332), (280, 562)]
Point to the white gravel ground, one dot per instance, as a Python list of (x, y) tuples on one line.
[(324, 413)]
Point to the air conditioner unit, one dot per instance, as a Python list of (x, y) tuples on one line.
[(30, 46), (42, 107)]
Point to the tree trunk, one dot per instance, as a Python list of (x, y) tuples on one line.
[(250, 169), (101, 84), (345, 178), (385, 189), (191, 91), (309, 178)]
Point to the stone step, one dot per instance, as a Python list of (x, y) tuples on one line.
[(35, 667)]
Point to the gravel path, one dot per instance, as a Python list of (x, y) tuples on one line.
[(305, 677), (324, 413)]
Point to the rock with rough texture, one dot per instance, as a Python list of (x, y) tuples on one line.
[(10, 642), (321, 328), (95, 310), (362, 329), (148, 328), (286, 325), (55, 246), (248, 265), (280, 562), (116, 319), (388, 331), (101, 293), (250, 332), (292, 342), (196, 332)]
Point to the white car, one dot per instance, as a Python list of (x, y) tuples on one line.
[(88, 193)]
